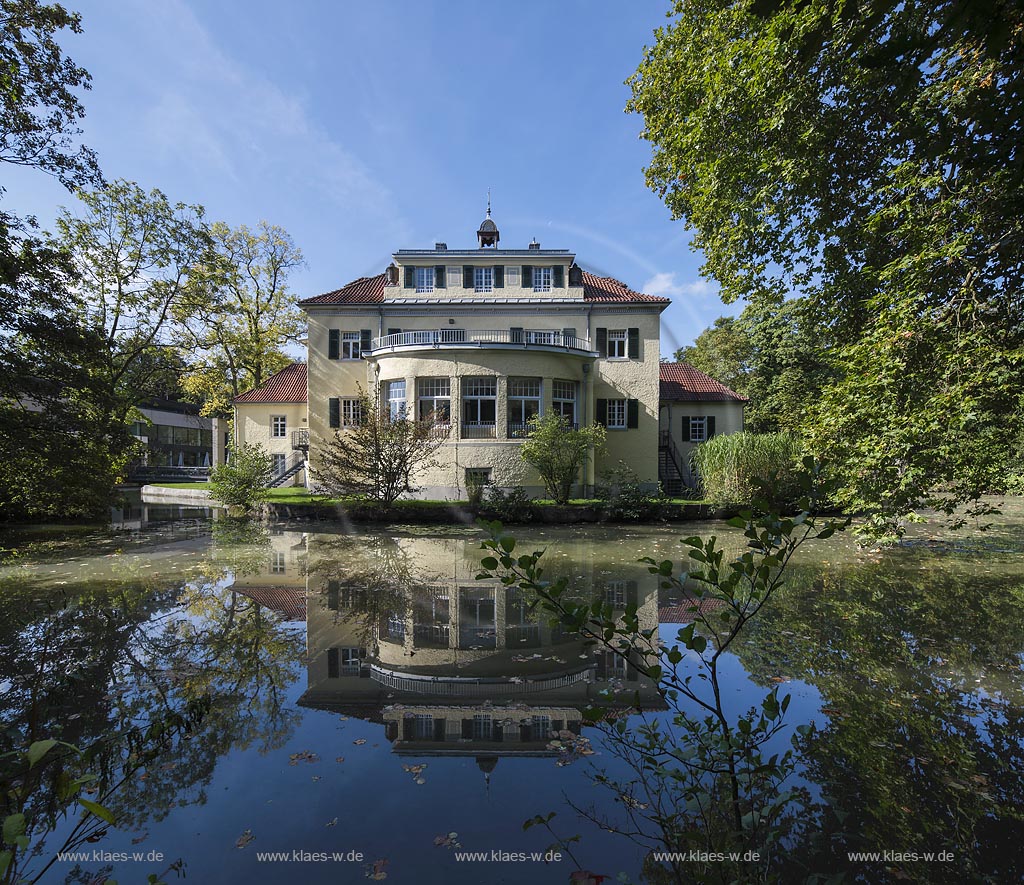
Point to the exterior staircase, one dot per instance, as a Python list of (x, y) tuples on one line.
[(671, 474), (281, 478)]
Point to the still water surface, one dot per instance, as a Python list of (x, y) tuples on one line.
[(302, 689)]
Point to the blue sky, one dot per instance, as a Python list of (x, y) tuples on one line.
[(364, 127)]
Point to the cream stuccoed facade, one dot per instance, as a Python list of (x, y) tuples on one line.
[(488, 338)]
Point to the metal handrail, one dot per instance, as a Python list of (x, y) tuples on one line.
[(476, 685), (481, 338)]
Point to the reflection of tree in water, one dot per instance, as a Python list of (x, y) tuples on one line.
[(922, 749), (154, 682), (367, 579)]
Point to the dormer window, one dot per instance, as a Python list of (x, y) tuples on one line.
[(424, 279), (542, 279)]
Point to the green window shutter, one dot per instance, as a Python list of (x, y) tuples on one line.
[(439, 277), (602, 342), (332, 663), (468, 281), (601, 416), (516, 334), (499, 276), (364, 340), (334, 410), (439, 729), (527, 276), (333, 595), (558, 276), (408, 728), (686, 429), (410, 278), (632, 593), (632, 414), (467, 728), (633, 344), (711, 426), (334, 344)]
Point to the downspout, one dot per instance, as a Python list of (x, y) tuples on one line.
[(583, 423)]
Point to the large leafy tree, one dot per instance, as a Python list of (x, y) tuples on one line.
[(52, 460), (864, 156), (133, 253), (239, 314), (722, 351)]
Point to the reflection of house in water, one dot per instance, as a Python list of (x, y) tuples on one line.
[(400, 632), (275, 577)]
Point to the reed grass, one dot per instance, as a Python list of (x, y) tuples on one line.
[(738, 468)]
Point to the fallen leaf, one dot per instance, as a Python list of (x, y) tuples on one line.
[(333, 822), (359, 741), (339, 759), (244, 839)]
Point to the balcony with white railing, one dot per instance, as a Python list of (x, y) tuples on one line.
[(482, 338)]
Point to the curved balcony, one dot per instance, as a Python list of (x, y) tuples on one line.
[(505, 339), (471, 686)]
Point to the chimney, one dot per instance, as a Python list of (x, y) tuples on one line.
[(392, 275), (441, 247), (535, 244)]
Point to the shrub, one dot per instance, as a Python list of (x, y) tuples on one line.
[(515, 505), (623, 496), (557, 452), (243, 481), (738, 468)]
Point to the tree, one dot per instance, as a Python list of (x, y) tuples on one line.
[(39, 109), (379, 456), (863, 157), (133, 254), (52, 458), (557, 452), (239, 313), (722, 351), (243, 481)]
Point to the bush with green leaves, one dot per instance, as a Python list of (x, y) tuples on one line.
[(738, 468), (557, 452), (242, 482), (514, 505), (623, 496), (705, 777)]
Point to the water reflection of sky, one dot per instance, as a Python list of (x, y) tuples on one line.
[(392, 654)]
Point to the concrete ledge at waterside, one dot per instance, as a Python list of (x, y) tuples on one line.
[(455, 513), (163, 495)]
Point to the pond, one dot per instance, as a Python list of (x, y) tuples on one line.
[(304, 703)]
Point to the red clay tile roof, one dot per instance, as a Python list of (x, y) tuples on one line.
[(609, 289), (289, 602), (686, 610), (287, 386), (682, 382), (365, 290), (370, 290)]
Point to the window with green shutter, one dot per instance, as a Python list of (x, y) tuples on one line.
[(439, 277), (602, 342), (333, 344), (632, 414), (334, 411), (499, 276), (558, 276), (527, 281), (633, 336), (410, 278)]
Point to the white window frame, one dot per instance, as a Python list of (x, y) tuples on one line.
[(483, 279), (559, 388), (350, 410), (279, 426), (425, 277), (698, 428), (483, 727), (475, 392), (615, 594), (348, 659), (423, 727), (350, 346), (617, 344), (433, 391), (278, 565), (616, 421), (277, 458), (520, 392), (542, 279), (396, 403)]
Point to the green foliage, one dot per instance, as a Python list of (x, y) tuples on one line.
[(515, 505), (380, 456), (737, 469), (707, 781), (242, 482), (557, 452), (723, 351), (863, 159), (239, 314), (624, 497)]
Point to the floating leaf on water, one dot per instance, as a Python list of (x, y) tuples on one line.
[(376, 870), (244, 839), (317, 777), (333, 822), (339, 759), (359, 741)]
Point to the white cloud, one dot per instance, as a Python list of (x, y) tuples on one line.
[(665, 284)]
